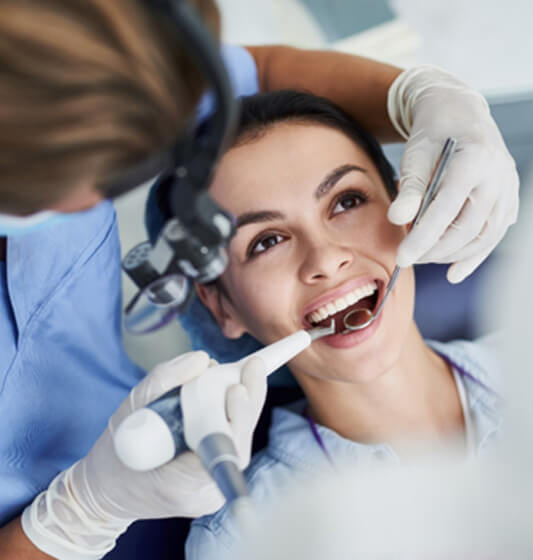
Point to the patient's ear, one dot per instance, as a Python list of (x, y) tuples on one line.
[(218, 303)]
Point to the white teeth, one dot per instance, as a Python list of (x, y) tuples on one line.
[(342, 303)]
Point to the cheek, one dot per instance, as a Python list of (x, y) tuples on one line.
[(372, 233), (261, 297), (388, 237), (399, 320), (405, 297)]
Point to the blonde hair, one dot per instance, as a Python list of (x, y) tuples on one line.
[(87, 88)]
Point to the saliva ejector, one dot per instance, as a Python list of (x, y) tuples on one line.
[(192, 417)]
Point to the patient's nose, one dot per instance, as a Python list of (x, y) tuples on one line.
[(323, 261)]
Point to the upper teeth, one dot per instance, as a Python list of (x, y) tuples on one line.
[(342, 303)]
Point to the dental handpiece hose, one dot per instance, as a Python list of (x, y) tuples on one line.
[(192, 417)]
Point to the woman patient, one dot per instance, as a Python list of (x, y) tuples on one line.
[(311, 190)]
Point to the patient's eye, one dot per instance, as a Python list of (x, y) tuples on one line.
[(264, 243), (348, 200)]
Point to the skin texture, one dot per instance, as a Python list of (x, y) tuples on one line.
[(386, 383), (358, 85), (15, 545)]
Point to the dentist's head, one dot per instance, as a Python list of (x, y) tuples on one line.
[(88, 88)]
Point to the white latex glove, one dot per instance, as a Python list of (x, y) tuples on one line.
[(88, 506), (478, 197)]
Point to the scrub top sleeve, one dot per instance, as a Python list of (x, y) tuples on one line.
[(242, 70), (8, 330)]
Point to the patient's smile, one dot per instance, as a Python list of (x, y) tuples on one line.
[(364, 297)]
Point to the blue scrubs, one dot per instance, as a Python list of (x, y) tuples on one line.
[(63, 369)]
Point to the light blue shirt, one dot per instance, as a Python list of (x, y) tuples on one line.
[(63, 369), (8, 331), (293, 449)]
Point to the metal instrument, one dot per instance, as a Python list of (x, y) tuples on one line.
[(361, 318)]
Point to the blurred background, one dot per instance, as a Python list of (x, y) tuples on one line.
[(488, 44)]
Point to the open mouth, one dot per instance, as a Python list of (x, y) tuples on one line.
[(363, 298)]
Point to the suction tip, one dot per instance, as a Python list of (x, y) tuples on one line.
[(319, 332)]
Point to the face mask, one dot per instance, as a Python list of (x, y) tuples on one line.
[(17, 225)]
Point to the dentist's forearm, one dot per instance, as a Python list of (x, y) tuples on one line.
[(15, 545), (358, 85)]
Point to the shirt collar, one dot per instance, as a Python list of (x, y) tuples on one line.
[(480, 368), (292, 442)]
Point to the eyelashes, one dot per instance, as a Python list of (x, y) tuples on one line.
[(346, 201), (263, 244)]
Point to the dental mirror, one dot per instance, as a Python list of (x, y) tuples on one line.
[(361, 318)]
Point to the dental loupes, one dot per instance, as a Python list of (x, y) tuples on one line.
[(361, 318)]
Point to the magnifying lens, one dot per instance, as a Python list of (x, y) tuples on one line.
[(191, 247)]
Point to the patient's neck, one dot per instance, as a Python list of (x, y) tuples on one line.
[(3, 248), (415, 397)]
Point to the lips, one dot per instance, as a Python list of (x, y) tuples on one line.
[(356, 294)]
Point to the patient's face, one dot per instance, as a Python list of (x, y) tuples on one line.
[(314, 237)]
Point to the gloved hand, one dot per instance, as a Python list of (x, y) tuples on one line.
[(478, 197), (89, 505)]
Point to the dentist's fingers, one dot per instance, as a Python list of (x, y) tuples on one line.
[(490, 235), (254, 378), (167, 375), (473, 223), (460, 178), (240, 415), (238, 408), (460, 270), (416, 167), (244, 403), (162, 378), (465, 265)]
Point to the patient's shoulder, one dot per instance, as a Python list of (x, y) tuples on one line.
[(480, 359), (213, 536)]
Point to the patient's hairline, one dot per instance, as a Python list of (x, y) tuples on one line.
[(257, 132)]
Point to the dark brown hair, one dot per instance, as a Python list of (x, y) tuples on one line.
[(87, 88), (261, 111)]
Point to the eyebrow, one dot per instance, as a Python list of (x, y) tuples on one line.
[(334, 177), (323, 188), (260, 216)]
